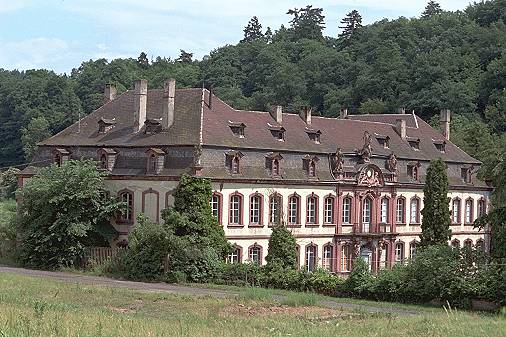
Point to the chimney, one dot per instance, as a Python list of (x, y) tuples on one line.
[(444, 123), (277, 113), (140, 102), (401, 111), (305, 114), (400, 127), (110, 92), (169, 94), (343, 113)]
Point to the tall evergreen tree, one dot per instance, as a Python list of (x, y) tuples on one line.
[(350, 24), (432, 8), (307, 22), (436, 211), (185, 57), (282, 250), (253, 30), (143, 61)]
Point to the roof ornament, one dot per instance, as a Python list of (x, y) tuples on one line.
[(337, 161), (392, 163), (366, 151)]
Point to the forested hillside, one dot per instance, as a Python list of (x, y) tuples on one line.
[(441, 59)]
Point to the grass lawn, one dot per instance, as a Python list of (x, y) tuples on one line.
[(40, 307)]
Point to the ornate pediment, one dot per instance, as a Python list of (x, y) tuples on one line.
[(370, 176)]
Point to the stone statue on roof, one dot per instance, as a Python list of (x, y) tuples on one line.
[(392, 163), (337, 161), (366, 151)]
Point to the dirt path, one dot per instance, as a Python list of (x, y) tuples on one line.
[(186, 290)]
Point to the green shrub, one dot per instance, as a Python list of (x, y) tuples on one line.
[(282, 250), (242, 274), (360, 280)]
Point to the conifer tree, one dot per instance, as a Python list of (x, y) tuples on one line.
[(143, 61), (282, 248), (432, 8), (350, 24), (253, 30), (307, 23), (185, 57), (436, 211)]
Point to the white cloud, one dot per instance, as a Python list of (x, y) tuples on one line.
[(32, 53)]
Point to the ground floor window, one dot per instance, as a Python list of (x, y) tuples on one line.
[(345, 257), (311, 255), (327, 257), (235, 256), (255, 255)]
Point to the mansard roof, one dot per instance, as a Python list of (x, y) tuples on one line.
[(198, 122)]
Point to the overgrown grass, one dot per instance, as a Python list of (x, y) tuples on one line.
[(41, 307), (300, 299)]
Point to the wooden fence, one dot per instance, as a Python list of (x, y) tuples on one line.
[(99, 255)]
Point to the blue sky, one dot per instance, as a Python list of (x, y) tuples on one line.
[(60, 34)]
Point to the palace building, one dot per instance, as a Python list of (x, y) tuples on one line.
[(346, 187)]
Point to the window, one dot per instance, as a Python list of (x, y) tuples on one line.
[(255, 210), (413, 172), (311, 169), (345, 257), (311, 254), (152, 163), (482, 210), (455, 243), (415, 211), (235, 165), (469, 211), (103, 161), (328, 211), (366, 215), (293, 210), (235, 217), (415, 144), (235, 256), (440, 146), (412, 250), (480, 245), (127, 215), (255, 255), (456, 211), (327, 257), (347, 210), (274, 208), (57, 159), (238, 131), (314, 136), (312, 210), (275, 167), (384, 210), (465, 175), (400, 215), (216, 206), (384, 141), (468, 243), (399, 252)]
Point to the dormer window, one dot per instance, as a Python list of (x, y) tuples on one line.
[(414, 171), (309, 163), (155, 160), (314, 135), (60, 156), (275, 167), (106, 124), (466, 174), (273, 164), (384, 141), (233, 159), (278, 132), (414, 143), (440, 145), (106, 158), (152, 125), (237, 129)]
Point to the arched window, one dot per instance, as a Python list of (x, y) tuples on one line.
[(366, 215), (455, 243), (415, 211), (345, 257), (127, 214), (328, 216), (400, 212), (311, 169), (275, 167), (152, 163), (412, 249), (103, 162), (294, 210), (414, 173), (235, 256), (235, 207), (468, 243), (456, 211), (274, 208), (328, 252), (216, 206), (312, 210), (255, 210), (255, 254), (482, 207), (469, 211), (235, 165), (347, 210), (399, 252), (311, 257), (480, 245), (384, 210)]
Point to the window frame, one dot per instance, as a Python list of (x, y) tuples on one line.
[(240, 210), (219, 204), (255, 246), (399, 248), (385, 201), (417, 215), (347, 212), (366, 201), (279, 198), (296, 197), (260, 209), (403, 210), (313, 199), (311, 248), (236, 252), (456, 211), (332, 210), (345, 258), (130, 207), (469, 216), (328, 261)]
